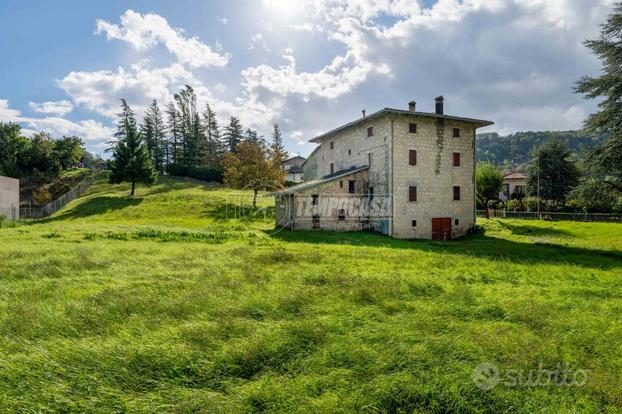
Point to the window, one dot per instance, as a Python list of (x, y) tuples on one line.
[(412, 193), (349, 152), (506, 189), (412, 157), (340, 184), (351, 186), (332, 168), (369, 158), (456, 132), (314, 199), (332, 145), (342, 214), (456, 192), (414, 223), (456, 159), (412, 128), (316, 221), (519, 189), (370, 193), (370, 131), (457, 222)]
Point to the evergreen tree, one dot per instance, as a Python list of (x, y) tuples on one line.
[(193, 140), (233, 134), (253, 137), (277, 142), (131, 161), (606, 161), (174, 131), (153, 133), (127, 120), (215, 148), (557, 174)]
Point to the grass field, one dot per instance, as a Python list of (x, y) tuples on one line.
[(162, 303)]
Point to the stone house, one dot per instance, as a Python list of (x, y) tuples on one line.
[(404, 173), (9, 198), (293, 168), (514, 186)]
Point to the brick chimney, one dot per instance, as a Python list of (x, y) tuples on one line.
[(412, 106), (439, 104)]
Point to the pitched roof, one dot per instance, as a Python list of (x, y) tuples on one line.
[(295, 157), (322, 180), (515, 176), (478, 122)]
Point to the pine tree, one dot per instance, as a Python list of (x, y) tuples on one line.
[(233, 134), (253, 137), (190, 126), (277, 149), (153, 133), (558, 175), (131, 161), (215, 148), (173, 126), (127, 120), (606, 161)]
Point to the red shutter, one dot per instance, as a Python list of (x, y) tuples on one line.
[(412, 157), (456, 193), (456, 159), (370, 131), (332, 168), (412, 193)]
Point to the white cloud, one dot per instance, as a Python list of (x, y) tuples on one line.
[(52, 107), (146, 31), (102, 90), (258, 40), (223, 20), (89, 130)]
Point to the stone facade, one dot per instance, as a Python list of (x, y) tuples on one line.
[(9, 197), (444, 174)]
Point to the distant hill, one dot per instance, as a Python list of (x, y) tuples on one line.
[(516, 148)]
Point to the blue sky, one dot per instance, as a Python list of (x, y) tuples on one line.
[(309, 65)]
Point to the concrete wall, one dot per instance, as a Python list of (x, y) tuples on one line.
[(434, 184), (9, 197), (311, 166)]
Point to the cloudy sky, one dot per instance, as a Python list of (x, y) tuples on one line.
[(309, 65)]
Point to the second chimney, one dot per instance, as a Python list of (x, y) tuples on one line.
[(439, 104), (412, 106)]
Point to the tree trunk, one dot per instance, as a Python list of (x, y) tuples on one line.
[(488, 209), (255, 199), (133, 188)]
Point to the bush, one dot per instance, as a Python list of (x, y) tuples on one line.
[(41, 195), (514, 205), (200, 173)]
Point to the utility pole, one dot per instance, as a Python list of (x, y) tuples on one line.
[(538, 182)]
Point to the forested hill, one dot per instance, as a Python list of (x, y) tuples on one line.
[(516, 148)]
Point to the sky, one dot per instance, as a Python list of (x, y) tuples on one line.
[(308, 65)]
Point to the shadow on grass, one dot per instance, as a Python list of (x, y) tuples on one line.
[(529, 230), (95, 206), (477, 245)]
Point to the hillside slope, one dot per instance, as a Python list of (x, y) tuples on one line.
[(163, 303)]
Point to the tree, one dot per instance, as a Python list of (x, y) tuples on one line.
[(215, 148), (174, 130), (277, 148), (252, 136), (233, 134), (606, 161), (13, 148), (190, 126), (68, 151), (557, 174), (489, 181), (248, 167), (131, 161), (153, 132), (40, 155)]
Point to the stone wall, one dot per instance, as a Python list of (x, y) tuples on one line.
[(9, 197), (434, 176)]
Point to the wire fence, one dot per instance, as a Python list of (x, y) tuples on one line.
[(30, 213), (554, 216)]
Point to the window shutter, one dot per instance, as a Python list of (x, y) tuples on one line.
[(412, 128), (412, 157), (456, 132), (332, 168), (456, 159), (370, 131), (456, 193), (412, 193)]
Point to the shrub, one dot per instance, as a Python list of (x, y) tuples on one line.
[(514, 205), (41, 195), (192, 171)]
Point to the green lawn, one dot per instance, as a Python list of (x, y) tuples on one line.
[(163, 303)]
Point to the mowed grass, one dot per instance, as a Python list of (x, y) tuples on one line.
[(167, 303)]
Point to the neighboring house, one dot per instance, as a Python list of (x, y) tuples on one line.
[(293, 166), (514, 186), (9, 198), (404, 173)]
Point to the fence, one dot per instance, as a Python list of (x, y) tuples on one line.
[(555, 216), (54, 206)]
